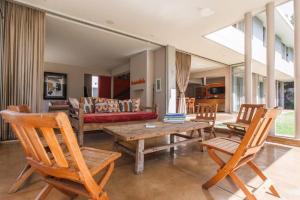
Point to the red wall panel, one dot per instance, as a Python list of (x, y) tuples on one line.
[(120, 85), (104, 86)]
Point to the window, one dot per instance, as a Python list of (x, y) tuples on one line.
[(95, 86), (264, 36), (283, 51)]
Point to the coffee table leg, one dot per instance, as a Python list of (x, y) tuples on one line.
[(202, 135), (115, 145), (172, 140), (139, 157)]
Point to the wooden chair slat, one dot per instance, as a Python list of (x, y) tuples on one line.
[(29, 147), (37, 145), (54, 146)]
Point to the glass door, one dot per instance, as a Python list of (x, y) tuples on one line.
[(238, 97)]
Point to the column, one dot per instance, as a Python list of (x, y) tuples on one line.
[(171, 79), (297, 66), (248, 57), (271, 87), (255, 93), (112, 87)]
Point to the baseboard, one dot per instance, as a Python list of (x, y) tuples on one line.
[(284, 140)]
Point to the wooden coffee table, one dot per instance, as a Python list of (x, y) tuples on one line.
[(139, 133)]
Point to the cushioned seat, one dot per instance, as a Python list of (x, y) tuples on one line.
[(118, 117)]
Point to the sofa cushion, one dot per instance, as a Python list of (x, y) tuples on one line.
[(118, 117)]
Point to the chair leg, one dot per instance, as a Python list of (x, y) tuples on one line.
[(242, 186), (221, 174), (215, 179), (192, 133), (68, 193), (23, 176), (213, 132), (104, 196), (106, 176), (255, 168), (44, 193), (230, 132)]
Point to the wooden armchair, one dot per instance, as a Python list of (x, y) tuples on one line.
[(243, 152), (207, 112), (27, 171), (244, 118), (70, 171)]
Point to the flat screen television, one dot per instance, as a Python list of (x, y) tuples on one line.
[(217, 90)]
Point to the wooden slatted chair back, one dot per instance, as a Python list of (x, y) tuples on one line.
[(23, 108), (31, 127), (207, 111), (258, 130), (246, 112)]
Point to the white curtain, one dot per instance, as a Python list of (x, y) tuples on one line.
[(183, 66)]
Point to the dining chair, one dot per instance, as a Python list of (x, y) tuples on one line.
[(242, 153), (69, 170), (244, 118), (207, 112), (191, 105)]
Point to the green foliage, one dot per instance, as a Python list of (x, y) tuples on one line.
[(285, 124)]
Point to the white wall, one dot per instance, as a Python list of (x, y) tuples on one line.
[(141, 67), (75, 78), (122, 69), (226, 72)]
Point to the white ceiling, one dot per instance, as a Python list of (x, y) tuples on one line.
[(170, 22), (73, 44), (200, 64)]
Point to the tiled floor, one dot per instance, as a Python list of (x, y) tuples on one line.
[(164, 178)]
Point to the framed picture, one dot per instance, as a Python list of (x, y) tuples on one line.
[(158, 85), (55, 85)]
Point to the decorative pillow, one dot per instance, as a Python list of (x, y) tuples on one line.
[(125, 105), (75, 104), (101, 107), (113, 105), (136, 105), (100, 100), (88, 105)]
